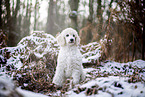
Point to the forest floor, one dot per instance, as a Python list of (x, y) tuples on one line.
[(31, 65), (113, 79)]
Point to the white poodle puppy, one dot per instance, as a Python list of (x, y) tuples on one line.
[(69, 62)]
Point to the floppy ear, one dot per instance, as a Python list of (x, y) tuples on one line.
[(77, 40), (60, 40)]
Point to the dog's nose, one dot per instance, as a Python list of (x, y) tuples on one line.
[(71, 40)]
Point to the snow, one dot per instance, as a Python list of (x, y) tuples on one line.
[(127, 90), (26, 93), (129, 68), (89, 84), (100, 94), (7, 88), (16, 61), (108, 80), (118, 86), (40, 43), (91, 52)]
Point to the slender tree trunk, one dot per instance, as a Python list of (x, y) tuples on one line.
[(99, 16), (143, 35), (143, 43), (50, 18), (8, 15), (15, 21), (11, 35), (26, 20), (17, 9), (1, 14), (91, 11), (73, 15), (29, 17), (19, 24), (133, 47), (35, 16), (99, 11)]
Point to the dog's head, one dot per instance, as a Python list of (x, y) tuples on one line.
[(69, 37)]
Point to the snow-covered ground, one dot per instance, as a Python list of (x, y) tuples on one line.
[(112, 86), (8, 89), (109, 79)]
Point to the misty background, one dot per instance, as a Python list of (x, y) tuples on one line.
[(112, 34), (120, 22)]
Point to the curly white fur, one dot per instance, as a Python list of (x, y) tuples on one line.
[(69, 62)]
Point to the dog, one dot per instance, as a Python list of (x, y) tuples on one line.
[(69, 61)]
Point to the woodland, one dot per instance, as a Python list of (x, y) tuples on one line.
[(120, 21), (112, 34)]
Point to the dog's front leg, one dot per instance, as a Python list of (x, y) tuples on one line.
[(59, 76), (76, 76)]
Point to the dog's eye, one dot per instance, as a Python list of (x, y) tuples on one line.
[(67, 35), (73, 35)]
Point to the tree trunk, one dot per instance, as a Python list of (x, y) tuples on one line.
[(143, 36), (0, 14), (29, 17), (11, 35), (143, 43), (15, 20), (8, 15), (91, 11), (11, 24), (17, 9), (50, 18), (99, 17), (35, 16), (73, 15), (26, 20), (99, 14)]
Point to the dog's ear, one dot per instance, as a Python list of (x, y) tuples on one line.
[(60, 40), (77, 40)]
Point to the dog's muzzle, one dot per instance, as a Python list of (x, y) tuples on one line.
[(71, 40)]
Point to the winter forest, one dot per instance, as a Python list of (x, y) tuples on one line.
[(112, 44)]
